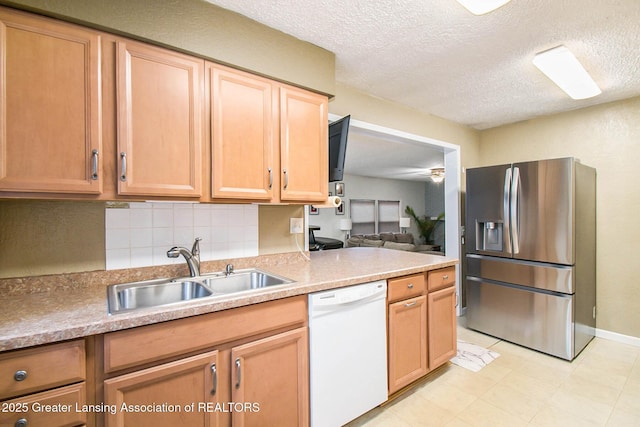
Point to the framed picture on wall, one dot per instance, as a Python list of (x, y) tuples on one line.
[(340, 209), (313, 210), (340, 189)]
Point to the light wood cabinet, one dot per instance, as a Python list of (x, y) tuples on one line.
[(269, 141), (422, 324), (304, 146), (244, 134), (160, 131), (50, 121), (32, 378), (442, 324), (254, 356), (271, 377), (164, 394), (407, 342)]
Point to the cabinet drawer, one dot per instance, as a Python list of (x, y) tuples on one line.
[(441, 278), (132, 347), (41, 368), (60, 407), (406, 287)]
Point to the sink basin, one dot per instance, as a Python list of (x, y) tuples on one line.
[(241, 280), (153, 293)]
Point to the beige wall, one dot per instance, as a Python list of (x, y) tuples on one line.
[(605, 137), (395, 116), (50, 237), (201, 28)]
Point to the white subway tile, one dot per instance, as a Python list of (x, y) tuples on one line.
[(141, 237), (117, 238), (118, 259), (141, 257), (116, 218)]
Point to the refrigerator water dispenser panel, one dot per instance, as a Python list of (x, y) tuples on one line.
[(489, 236)]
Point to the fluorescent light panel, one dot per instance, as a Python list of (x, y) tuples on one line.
[(564, 69), (480, 7)]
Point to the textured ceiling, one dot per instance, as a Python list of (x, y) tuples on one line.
[(438, 58)]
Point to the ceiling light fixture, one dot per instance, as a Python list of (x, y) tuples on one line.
[(480, 7), (437, 175), (564, 69)]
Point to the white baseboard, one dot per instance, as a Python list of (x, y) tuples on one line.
[(614, 336)]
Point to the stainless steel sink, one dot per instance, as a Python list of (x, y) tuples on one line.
[(153, 293), (241, 280)]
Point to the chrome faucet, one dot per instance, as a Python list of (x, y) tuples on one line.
[(228, 269), (191, 256)]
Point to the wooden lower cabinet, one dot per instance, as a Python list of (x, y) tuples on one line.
[(407, 342), (441, 323), (163, 395), (245, 366), (271, 378)]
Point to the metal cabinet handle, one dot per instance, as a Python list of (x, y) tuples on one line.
[(94, 165), (22, 422), (214, 378), (410, 304), (410, 286), (123, 166), (238, 373), (286, 178), (445, 277), (270, 178), (20, 375)]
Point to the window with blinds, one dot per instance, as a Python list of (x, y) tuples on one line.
[(388, 216), (363, 216)]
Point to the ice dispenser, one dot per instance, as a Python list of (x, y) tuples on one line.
[(489, 236)]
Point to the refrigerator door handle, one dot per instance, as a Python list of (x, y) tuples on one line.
[(507, 221), (514, 214)]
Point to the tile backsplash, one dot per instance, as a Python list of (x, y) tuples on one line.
[(139, 234)]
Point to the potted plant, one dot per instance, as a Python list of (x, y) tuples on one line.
[(425, 224)]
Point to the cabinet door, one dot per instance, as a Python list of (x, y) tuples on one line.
[(177, 385), (271, 377), (304, 146), (49, 106), (407, 342), (442, 326), (159, 121), (243, 135)]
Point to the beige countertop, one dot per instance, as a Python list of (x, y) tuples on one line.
[(29, 319)]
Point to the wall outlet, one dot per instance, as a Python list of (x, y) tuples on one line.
[(295, 226)]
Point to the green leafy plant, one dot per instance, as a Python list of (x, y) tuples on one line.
[(425, 224)]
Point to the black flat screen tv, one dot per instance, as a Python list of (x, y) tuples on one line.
[(338, 133)]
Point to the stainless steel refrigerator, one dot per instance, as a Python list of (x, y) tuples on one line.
[(531, 254)]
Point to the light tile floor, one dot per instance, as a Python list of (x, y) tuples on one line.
[(601, 387)]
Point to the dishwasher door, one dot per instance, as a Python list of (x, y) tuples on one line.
[(348, 352)]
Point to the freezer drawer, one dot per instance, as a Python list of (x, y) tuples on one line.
[(556, 278), (539, 320)]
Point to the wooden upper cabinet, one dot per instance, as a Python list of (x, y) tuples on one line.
[(49, 106), (304, 145), (159, 121), (243, 133)]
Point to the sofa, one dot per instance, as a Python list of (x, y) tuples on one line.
[(397, 241)]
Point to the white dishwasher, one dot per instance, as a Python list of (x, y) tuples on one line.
[(348, 352)]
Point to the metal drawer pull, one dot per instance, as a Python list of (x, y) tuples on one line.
[(123, 166), (270, 178), (214, 375), (286, 178), (410, 304), (94, 164), (410, 286), (20, 375), (22, 422), (445, 277), (238, 372)]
